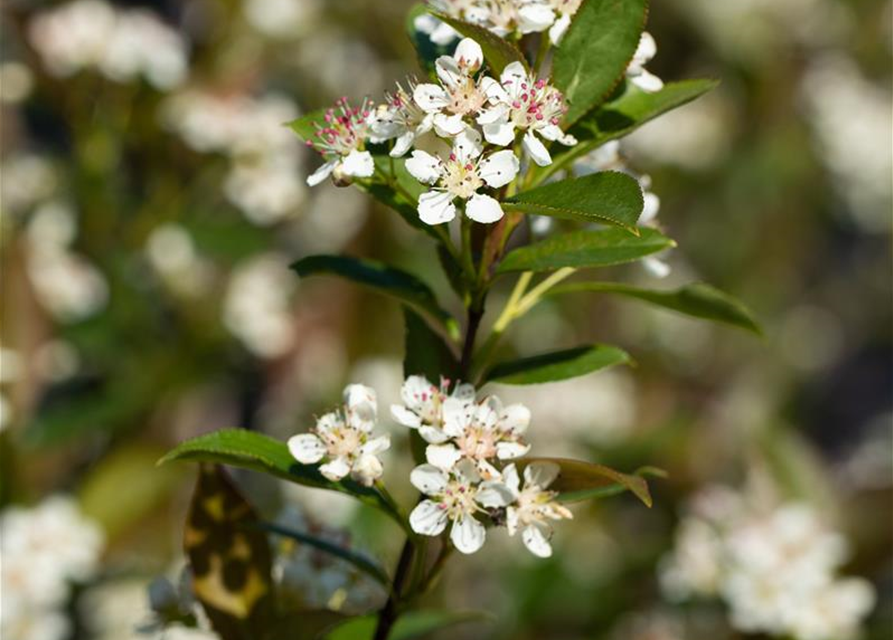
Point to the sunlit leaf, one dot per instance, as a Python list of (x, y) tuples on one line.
[(609, 197), (696, 300), (581, 480), (558, 365), (585, 249)]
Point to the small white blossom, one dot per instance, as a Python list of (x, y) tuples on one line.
[(422, 407), (455, 497), (462, 175), (401, 119), (534, 506), (342, 143), (520, 101), (344, 440), (637, 73), (440, 33)]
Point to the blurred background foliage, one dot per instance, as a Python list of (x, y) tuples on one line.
[(151, 207)]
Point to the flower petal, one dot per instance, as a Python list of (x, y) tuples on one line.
[(559, 28), (500, 133), (541, 474), (321, 174), (402, 144), (436, 207), (647, 81), (536, 539), (512, 76), (358, 164), (469, 54), (515, 418), (433, 435), (535, 17), (468, 145), (511, 450), (483, 209), (510, 478), (468, 535), (424, 167), (306, 448), (430, 97), (499, 113), (367, 469), (448, 126), (376, 445), (443, 456), (456, 415), (405, 417), (428, 518), (536, 150), (361, 401), (494, 494), (336, 469), (429, 479), (500, 168)]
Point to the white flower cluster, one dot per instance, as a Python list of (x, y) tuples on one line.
[(123, 45), (468, 440), (44, 550), (65, 282), (505, 17), (474, 113), (343, 440), (774, 565), (264, 156)]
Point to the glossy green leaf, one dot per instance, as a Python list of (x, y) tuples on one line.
[(397, 189), (579, 480), (586, 249), (255, 451), (559, 365), (498, 52), (595, 52), (623, 115), (697, 300), (412, 625), (609, 197), (358, 560), (401, 285)]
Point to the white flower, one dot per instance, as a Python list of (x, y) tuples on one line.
[(440, 33), (455, 497), (343, 439), (520, 101), (534, 506), (402, 119), (422, 407), (636, 71), (461, 176), (481, 432), (459, 94), (565, 10), (341, 142)]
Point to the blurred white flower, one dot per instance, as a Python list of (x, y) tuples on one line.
[(282, 18), (56, 360), (257, 308), (438, 32), (27, 180), (343, 440), (534, 506), (636, 71), (121, 44), (172, 253), (16, 82)]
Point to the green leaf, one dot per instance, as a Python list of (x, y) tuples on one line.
[(229, 558), (401, 285), (255, 451), (306, 126), (358, 560), (498, 52), (559, 365), (609, 197), (579, 480), (596, 51), (585, 249), (398, 190), (410, 626), (624, 115), (697, 300)]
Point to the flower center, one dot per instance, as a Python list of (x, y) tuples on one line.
[(461, 179), (345, 129), (478, 443), (344, 441), (534, 505), (458, 499), (536, 104), (466, 98)]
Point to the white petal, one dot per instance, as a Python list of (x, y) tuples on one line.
[(448, 71), (646, 49), (466, 470), (336, 469), (436, 207), (511, 520), (322, 173), (424, 167), (512, 76), (468, 145), (656, 267), (557, 31), (511, 450), (429, 479), (499, 113), (510, 478), (536, 539), (448, 126), (403, 144), (469, 52), (405, 417), (487, 471), (430, 97), (494, 494), (483, 209), (500, 168), (443, 34), (541, 474), (647, 81), (500, 133), (358, 164), (428, 518), (468, 535), (306, 448), (329, 422), (415, 391), (536, 150), (443, 456), (361, 400), (456, 415), (376, 445), (515, 418), (433, 435), (366, 470), (652, 208), (535, 17), (464, 392), (551, 132), (493, 90)]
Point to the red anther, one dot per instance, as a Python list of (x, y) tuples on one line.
[(453, 157), (540, 116), (516, 104), (469, 167)]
